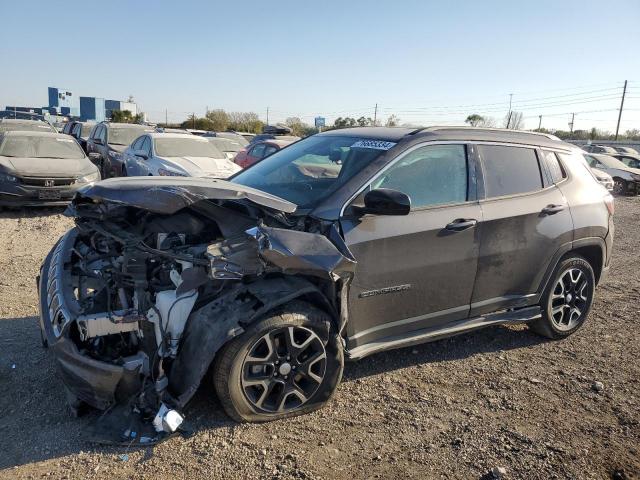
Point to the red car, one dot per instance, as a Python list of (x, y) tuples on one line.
[(259, 150)]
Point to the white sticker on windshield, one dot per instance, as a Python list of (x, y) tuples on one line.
[(376, 144), (66, 140)]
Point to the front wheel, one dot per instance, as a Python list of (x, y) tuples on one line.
[(620, 187), (567, 300), (287, 364)]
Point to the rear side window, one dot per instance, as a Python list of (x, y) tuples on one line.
[(555, 168), (509, 170)]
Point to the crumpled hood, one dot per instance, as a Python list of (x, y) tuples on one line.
[(205, 166), (47, 167), (167, 195)]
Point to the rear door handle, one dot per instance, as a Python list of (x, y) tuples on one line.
[(552, 209), (461, 224)]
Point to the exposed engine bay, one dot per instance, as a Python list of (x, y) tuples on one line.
[(157, 277)]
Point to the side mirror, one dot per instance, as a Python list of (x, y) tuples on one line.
[(385, 201), (98, 141), (141, 153), (95, 157)]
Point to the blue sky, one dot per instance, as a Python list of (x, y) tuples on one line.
[(426, 62)]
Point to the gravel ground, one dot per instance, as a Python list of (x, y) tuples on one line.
[(457, 408)]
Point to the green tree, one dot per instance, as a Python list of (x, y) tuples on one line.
[(125, 116), (475, 120), (219, 119), (245, 122), (344, 122), (299, 128)]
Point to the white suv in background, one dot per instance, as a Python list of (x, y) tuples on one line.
[(175, 154)]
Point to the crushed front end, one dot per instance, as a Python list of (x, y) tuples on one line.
[(155, 278)]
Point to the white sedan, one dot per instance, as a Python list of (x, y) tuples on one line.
[(175, 154)]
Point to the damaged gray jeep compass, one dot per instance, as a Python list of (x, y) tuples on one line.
[(341, 245)]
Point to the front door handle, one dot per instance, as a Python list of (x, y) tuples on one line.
[(552, 209), (461, 224)]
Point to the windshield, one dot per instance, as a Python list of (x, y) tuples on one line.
[(86, 129), (186, 147), (234, 137), (124, 135), (26, 127), (40, 147), (611, 162), (309, 170), (225, 145)]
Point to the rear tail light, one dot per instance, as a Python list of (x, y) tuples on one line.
[(608, 201)]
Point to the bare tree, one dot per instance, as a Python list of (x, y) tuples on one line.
[(514, 120), (393, 121)]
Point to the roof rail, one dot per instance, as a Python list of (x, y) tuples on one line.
[(488, 129)]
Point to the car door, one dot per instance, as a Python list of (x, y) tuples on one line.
[(146, 165), (417, 271), (131, 160), (526, 220)]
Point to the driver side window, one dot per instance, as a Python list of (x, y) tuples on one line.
[(258, 151), (430, 175)]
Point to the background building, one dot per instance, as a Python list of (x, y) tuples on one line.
[(64, 103)]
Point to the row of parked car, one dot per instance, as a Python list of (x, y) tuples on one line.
[(120, 149), (618, 168), (39, 165)]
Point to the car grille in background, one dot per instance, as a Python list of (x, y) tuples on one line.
[(46, 182)]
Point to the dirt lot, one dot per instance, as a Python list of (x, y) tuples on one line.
[(457, 408)]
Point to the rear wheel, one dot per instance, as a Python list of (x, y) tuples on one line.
[(287, 364), (567, 300), (620, 186)]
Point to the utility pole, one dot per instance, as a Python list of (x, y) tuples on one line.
[(375, 115), (573, 116), (509, 117), (539, 121), (193, 118), (166, 117), (509, 120), (624, 91), (267, 115)]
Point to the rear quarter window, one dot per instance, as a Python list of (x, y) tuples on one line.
[(554, 166), (509, 170)]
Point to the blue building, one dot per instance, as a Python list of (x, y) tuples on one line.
[(64, 102), (92, 108)]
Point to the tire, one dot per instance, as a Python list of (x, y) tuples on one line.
[(297, 365), (620, 187), (568, 298)]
